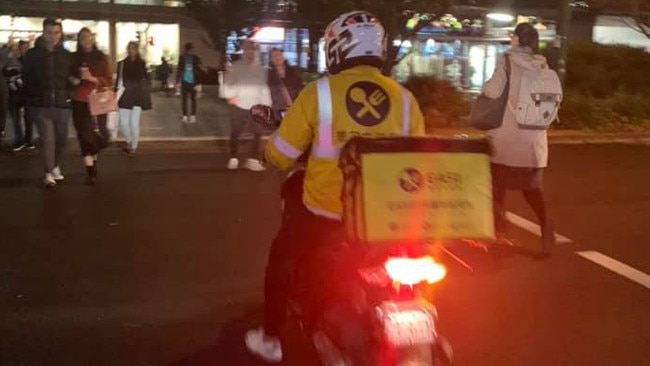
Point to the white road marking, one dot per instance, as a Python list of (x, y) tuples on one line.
[(617, 267), (534, 228)]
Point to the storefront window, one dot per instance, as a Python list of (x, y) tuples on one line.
[(28, 29), (155, 40), (294, 42), (466, 63), (463, 52)]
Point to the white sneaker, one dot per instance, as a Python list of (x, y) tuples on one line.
[(185, 120), (267, 348), (192, 119), (233, 163), (56, 173), (255, 165), (49, 180)]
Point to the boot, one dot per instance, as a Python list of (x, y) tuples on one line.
[(548, 237), (91, 177)]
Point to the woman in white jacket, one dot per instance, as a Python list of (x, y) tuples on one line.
[(520, 155)]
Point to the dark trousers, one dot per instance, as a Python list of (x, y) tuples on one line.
[(21, 137), (52, 124), (88, 127), (299, 247), (240, 120), (188, 91), (3, 110)]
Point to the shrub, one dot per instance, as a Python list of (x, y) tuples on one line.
[(583, 111), (606, 87), (442, 104), (604, 70)]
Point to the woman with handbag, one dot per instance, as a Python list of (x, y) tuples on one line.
[(134, 95), (92, 100), (519, 155)]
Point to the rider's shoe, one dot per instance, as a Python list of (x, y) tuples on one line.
[(266, 347)]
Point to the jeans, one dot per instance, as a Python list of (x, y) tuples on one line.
[(52, 124), (15, 109), (188, 91), (240, 120), (130, 125)]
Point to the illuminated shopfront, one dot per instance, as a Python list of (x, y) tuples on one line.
[(463, 52), (28, 29), (156, 40), (294, 42)]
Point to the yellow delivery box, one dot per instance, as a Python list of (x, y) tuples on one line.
[(415, 189)]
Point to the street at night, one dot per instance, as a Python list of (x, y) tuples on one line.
[(162, 263)]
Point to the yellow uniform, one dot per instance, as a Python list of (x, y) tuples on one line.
[(359, 101)]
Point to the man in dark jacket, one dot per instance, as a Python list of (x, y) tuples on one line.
[(46, 77), (189, 67)]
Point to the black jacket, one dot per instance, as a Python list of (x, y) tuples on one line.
[(46, 77)]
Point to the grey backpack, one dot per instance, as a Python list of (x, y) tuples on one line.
[(540, 95)]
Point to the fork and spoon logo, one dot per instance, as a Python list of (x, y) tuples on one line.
[(367, 103)]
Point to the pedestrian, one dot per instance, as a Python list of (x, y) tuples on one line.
[(285, 81), (4, 91), (132, 73), (189, 66), (164, 70), (519, 155), (47, 81), (29, 115), (12, 71), (245, 85), (92, 73)]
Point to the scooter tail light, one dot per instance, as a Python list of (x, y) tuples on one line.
[(411, 271)]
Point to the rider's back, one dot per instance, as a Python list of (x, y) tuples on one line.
[(358, 101)]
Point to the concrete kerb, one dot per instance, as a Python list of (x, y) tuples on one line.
[(220, 144)]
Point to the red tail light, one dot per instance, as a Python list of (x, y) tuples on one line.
[(411, 271)]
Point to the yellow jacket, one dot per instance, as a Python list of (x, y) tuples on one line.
[(359, 101)]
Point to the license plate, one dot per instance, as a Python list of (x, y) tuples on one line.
[(408, 324)]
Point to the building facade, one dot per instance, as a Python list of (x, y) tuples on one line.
[(160, 27)]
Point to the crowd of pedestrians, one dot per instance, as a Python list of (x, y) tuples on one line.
[(46, 86)]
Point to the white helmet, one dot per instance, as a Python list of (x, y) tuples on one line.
[(355, 38)]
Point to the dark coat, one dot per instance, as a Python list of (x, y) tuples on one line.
[(292, 81), (137, 90), (46, 77)]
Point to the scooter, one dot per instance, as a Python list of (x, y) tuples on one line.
[(381, 315)]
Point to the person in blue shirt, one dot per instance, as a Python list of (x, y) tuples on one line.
[(188, 67)]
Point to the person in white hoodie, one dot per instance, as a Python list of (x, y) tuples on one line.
[(519, 155), (245, 85)]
